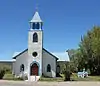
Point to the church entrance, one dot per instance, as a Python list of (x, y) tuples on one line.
[(34, 69)]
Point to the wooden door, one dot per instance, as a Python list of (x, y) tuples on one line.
[(34, 69)]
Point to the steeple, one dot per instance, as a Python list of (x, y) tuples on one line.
[(36, 22), (36, 17)]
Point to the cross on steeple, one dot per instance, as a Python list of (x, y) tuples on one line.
[(36, 8)]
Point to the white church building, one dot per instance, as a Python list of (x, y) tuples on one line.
[(35, 61)]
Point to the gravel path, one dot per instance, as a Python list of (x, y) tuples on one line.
[(21, 83)]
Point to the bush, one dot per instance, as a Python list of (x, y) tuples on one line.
[(2, 72), (4, 69), (67, 72), (67, 75)]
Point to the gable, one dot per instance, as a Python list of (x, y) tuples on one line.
[(20, 53), (50, 54), (27, 50)]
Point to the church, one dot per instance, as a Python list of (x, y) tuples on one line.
[(35, 61)]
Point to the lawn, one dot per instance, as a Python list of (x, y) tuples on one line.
[(11, 77), (89, 78), (73, 78), (57, 79)]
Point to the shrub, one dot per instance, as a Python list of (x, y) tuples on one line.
[(4, 69), (67, 75), (2, 72), (67, 72)]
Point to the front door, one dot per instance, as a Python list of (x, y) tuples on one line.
[(34, 69)]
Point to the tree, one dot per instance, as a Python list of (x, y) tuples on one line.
[(90, 50), (67, 71), (88, 54), (75, 59)]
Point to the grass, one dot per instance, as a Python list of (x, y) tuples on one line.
[(89, 78), (57, 79), (73, 78), (8, 76), (11, 77)]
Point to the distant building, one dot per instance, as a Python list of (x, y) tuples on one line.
[(7, 62)]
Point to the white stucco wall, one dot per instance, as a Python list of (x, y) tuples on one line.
[(49, 59), (26, 59), (21, 59)]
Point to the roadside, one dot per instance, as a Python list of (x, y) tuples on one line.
[(74, 83)]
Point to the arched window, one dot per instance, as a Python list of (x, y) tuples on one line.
[(48, 68), (35, 37), (22, 68)]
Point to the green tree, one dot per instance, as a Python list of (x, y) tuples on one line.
[(90, 50), (67, 71), (88, 54)]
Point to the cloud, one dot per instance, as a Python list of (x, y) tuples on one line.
[(63, 56)]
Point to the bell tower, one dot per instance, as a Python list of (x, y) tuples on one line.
[(35, 44)]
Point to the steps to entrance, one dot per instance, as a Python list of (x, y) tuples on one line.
[(34, 78)]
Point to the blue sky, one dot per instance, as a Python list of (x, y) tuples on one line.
[(64, 23)]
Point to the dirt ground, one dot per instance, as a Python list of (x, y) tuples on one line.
[(21, 83)]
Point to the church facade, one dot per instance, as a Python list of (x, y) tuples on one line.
[(35, 61)]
